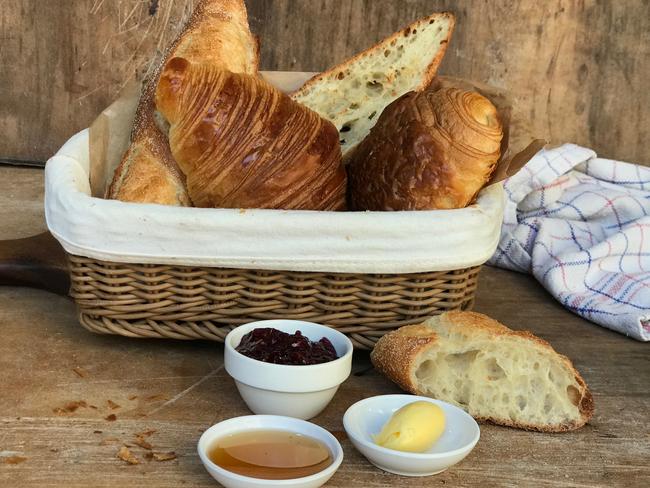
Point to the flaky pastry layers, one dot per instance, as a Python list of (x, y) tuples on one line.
[(241, 143)]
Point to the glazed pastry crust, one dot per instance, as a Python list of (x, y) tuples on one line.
[(433, 149), (216, 33)]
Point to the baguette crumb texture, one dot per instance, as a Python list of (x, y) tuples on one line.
[(353, 94), (496, 374)]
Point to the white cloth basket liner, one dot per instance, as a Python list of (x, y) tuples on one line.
[(341, 242)]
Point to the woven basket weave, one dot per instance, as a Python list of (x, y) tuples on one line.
[(182, 302)]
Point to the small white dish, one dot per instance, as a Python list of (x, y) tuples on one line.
[(268, 422), (367, 417), (278, 389)]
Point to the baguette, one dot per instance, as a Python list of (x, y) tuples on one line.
[(353, 94), (496, 374), (217, 33)]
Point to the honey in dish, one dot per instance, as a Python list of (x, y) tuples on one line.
[(270, 454)]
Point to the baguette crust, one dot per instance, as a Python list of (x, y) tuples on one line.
[(244, 144), (148, 173), (398, 354), (216, 33), (427, 75)]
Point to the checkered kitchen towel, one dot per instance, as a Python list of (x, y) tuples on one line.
[(581, 225)]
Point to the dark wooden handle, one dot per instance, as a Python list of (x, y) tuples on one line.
[(38, 261)]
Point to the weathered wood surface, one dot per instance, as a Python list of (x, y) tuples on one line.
[(578, 70), (180, 388)]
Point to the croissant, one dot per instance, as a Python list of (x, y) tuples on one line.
[(241, 143), (433, 149), (216, 33)]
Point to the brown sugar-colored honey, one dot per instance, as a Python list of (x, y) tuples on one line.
[(270, 454)]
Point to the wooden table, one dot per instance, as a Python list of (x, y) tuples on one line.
[(48, 362)]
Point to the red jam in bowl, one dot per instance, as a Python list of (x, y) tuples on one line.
[(274, 346)]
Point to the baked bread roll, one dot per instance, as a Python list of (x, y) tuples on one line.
[(217, 33), (241, 143), (429, 150), (354, 93), (496, 374)]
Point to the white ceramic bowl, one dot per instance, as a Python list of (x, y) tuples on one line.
[(278, 389), (268, 422), (367, 417)]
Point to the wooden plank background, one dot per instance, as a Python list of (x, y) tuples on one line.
[(578, 69)]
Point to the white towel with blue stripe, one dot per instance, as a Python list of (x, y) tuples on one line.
[(581, 225)]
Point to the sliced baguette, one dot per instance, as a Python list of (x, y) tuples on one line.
[(496, 374), (353, 94)]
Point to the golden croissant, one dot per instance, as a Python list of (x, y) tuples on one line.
[(433, 149), (241, 143)]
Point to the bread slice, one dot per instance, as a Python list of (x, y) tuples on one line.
[(217, 33), (496, 374), (353, 94)]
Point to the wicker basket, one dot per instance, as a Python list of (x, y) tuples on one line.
[(182, 302), (186, 273)]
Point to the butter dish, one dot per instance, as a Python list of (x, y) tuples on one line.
[(367, 417)]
